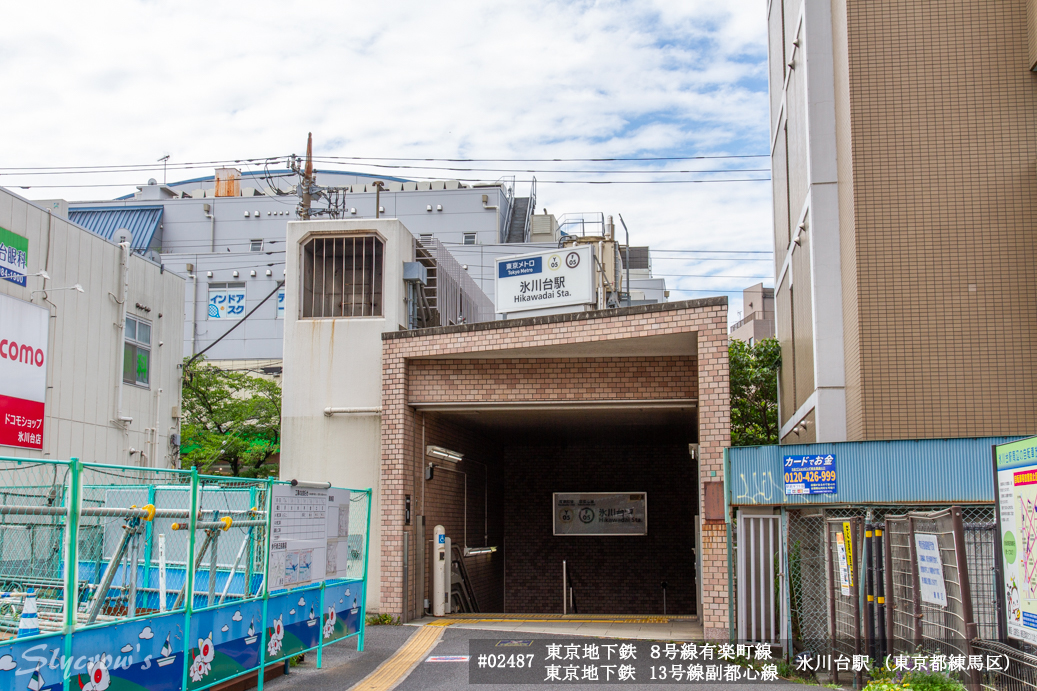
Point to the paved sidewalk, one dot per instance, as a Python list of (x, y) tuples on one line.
[(644, 628)]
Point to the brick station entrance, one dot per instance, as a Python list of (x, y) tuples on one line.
[(604, 401)]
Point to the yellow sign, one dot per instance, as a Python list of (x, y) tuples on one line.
[(848, 539)]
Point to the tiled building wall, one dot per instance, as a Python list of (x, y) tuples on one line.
[(442, 499), (945, 195), (401, 442), (554, 379), (610, 575)]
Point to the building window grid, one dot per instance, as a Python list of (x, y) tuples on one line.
[(342, 277), (470, 239), (136, 365), (255, 246)]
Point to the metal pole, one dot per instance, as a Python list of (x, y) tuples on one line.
[(627, 262), (915, 589), (189, 574), (891, 604), (880, 593), (72, 558), (869, 624), (965, 589), (233, 569), (102, 590), (367, 537), (855, 536), (263, 591), (161, 572), (565, 591), (832, 632), (405, 614), (197, 559)]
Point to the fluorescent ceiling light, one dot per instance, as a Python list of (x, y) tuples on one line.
[(473, 551), (444, 454)]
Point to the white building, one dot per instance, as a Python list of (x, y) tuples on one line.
[(346, 285), (104, 327)]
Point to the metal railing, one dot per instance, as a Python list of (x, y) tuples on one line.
[(451, 294), (752, 316), (126, 568)]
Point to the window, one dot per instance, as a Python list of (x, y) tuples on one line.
[(226, 300), (342, 277), (469, 238), (136, 362), (255, 246)]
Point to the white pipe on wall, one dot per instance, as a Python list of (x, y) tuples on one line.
[(125, 269)]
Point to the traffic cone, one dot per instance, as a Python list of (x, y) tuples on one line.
[(28, 624)]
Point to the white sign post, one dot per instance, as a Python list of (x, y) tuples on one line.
[(552, 278), (932, 587)]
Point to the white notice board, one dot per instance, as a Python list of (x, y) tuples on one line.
[(337, 555), (931, 585), (298, 536)]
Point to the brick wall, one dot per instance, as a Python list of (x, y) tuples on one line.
[(553, 379), (611, 575), (402, 458)]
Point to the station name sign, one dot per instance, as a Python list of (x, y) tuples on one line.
[(552, 278), (600, 513)]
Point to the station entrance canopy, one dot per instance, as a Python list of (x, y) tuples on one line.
[(625, 407)]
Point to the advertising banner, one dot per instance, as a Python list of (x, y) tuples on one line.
[(551, 278), (810, 474), (1016, 468), (23, 372), (14, 257), (601, 513)]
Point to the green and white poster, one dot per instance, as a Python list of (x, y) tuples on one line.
[(14, 256), (1017, 521)]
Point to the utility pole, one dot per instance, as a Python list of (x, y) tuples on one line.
[(307, 181)]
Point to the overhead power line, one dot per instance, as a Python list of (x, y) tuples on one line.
[(545, 160)]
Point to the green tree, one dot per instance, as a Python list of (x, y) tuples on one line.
[(754, 391), (230, 419)]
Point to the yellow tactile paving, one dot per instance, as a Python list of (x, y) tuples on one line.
[(396, 668)]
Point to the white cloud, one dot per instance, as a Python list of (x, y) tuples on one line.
[(291, 611), (237, 616), (146, 634), (126, 648), (7, 663), (302, 601), (225, 628), (540, 79)]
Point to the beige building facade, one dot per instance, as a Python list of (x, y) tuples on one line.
[(904, 160)]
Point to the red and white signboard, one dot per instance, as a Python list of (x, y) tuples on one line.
[(23, 372)]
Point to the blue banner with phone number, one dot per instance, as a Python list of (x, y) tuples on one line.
[(810, 474)]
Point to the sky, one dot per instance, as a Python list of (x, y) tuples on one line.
[(126, 82)]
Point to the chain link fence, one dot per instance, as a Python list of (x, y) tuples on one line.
[(98, 559), (810, 574)]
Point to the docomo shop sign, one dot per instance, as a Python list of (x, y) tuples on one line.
[(23, 372), (551, 278)]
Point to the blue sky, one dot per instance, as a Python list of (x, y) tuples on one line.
[(127, 82)]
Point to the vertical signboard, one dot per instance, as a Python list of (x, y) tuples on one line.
[(1016, 480), (24, 329), (810, 474), (14, 256), (298, 536), (280, 303), (931, 585), (552, 278)]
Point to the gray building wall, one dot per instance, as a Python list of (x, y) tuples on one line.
[(218, 243), (85, 353)]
